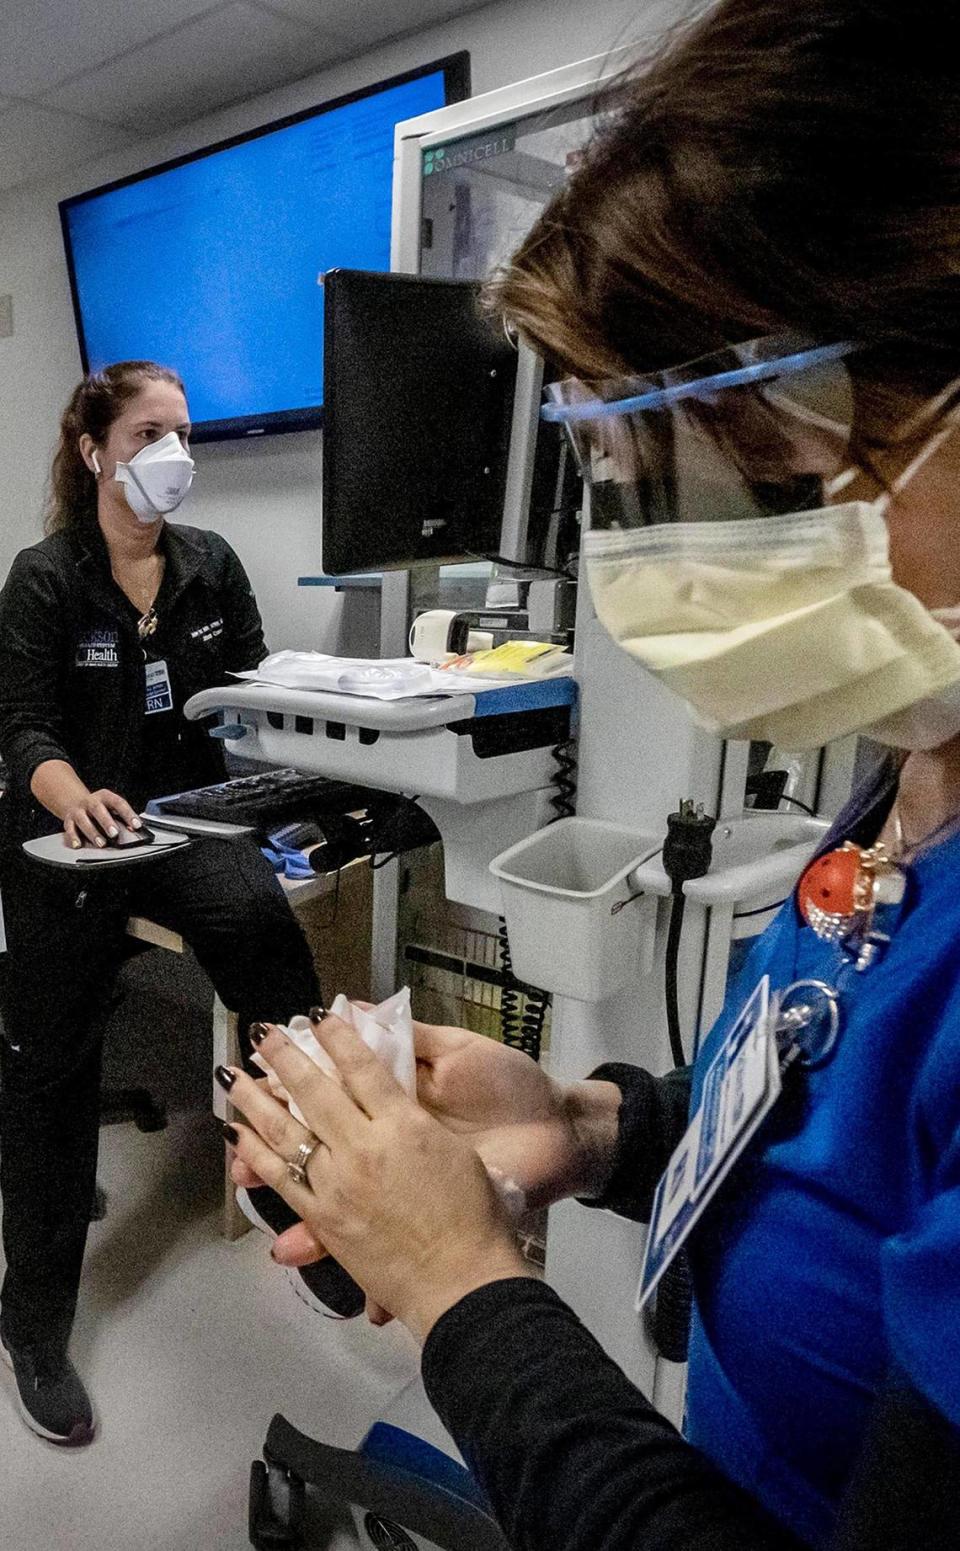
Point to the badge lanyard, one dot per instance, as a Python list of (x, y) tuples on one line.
[(159, 691)]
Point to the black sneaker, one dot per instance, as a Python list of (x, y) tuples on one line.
[(325, 1285), (51, 1399)]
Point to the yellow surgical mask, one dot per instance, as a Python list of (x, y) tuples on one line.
[(789, 629), (714, 557)]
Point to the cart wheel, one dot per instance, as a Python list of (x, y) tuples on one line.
[(268, 1532), (387, 1536)]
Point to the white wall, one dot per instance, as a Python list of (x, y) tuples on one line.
[(263, 496)]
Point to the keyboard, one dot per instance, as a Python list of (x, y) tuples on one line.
[(266, 798)]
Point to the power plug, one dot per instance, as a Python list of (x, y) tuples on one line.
[(688, 847)]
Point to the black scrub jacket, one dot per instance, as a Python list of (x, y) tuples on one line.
[(72, 683)]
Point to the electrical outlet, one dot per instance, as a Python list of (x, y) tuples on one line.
[(6, 316)]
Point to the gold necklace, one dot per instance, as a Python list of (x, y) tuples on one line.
[(147, 624), (149, 619)]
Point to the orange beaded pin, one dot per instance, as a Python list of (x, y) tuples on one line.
[(852, 896)]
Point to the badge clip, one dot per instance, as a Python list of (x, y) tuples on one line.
[(808, 1023)]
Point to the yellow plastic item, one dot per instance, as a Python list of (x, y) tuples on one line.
[(525, 659)]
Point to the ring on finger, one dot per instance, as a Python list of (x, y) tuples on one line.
[(297, 1165)]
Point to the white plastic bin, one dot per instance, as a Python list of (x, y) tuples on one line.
[(559, 890)]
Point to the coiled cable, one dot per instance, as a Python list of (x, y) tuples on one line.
[(564, 780), (523, 1009)]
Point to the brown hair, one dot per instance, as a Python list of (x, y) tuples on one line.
[(94, 405), (779, 165)]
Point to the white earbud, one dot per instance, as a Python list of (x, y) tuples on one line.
[(96, 465)]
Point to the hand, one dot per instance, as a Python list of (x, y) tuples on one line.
[(92, 817), (521, 1122), (553, 1140), (297, 1245), (404, 1204)]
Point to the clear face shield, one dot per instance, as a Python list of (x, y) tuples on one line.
[(722, 549), (760, 429)]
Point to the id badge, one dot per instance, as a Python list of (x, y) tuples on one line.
[(740, 1088), (159, 690)]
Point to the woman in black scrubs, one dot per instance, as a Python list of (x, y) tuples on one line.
[(106, 628)]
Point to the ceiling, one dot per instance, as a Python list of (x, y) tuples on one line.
[(83, 77)]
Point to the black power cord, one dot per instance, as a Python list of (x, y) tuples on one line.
[(687, 854), (796, 803), (674, 933), (767, 788)]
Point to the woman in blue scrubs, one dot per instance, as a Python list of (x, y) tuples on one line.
[(774, 204)]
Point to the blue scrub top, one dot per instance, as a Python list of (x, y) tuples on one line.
[(832, 1254)]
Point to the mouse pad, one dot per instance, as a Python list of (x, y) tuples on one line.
[(51, 849)]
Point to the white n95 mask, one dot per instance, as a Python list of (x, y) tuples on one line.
[(777, 618), (156, 481)]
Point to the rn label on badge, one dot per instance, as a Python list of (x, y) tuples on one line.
[(159, 692)]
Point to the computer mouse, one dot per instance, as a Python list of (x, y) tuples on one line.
[(127, 838)]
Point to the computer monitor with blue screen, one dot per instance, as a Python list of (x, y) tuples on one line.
[(212, 263)]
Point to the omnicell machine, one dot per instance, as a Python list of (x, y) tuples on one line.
[(586, 900)]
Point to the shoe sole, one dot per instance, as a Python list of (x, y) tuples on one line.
[(77, 1439), (299, 1286)]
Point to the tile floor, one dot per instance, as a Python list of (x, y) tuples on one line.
[(188, 1344)]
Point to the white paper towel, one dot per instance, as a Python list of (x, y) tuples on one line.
[(388, 1031)]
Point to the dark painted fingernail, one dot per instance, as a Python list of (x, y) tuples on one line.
[(231, 1134), (225, 1077), (258, 1032), (317, 1014)]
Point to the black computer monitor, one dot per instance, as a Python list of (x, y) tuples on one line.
[(417, 415)]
